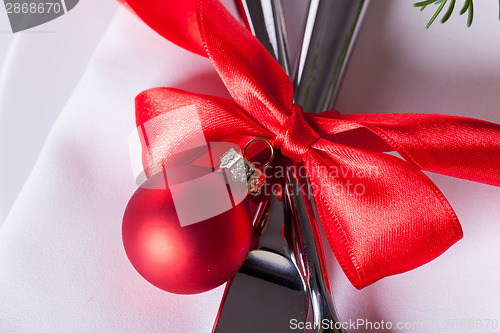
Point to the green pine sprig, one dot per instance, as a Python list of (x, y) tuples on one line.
[(467, 7)]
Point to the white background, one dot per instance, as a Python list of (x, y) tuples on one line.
[(62, 265)]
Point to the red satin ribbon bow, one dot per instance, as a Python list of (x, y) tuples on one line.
[(396, 219)]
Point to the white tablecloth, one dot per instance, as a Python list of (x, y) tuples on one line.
[(62, 264)]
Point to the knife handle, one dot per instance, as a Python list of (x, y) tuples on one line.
[(298, 198)]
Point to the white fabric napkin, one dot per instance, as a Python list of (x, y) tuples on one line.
[(62, 263), (40, 68)]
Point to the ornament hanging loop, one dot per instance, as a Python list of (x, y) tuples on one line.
[(243, 170), (270, 148)]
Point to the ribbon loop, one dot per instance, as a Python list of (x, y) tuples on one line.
[(296, 137)]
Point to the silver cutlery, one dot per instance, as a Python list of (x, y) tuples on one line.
[(328, 39)]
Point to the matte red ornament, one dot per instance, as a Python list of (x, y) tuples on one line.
[(183, 259)]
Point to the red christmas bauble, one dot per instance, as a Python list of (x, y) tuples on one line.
[(183, 259)]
